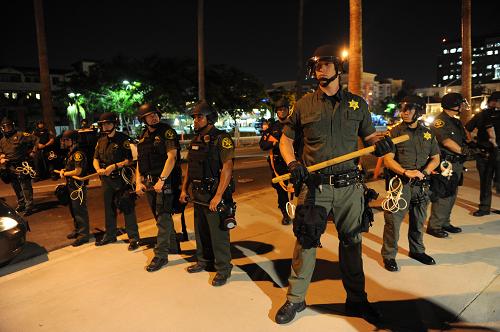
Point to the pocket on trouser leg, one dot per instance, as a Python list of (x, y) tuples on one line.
[(309, 224)]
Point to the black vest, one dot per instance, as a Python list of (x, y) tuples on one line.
[(204, 160), (42, 134), (151, 150)]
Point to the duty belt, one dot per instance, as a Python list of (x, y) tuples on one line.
[(453, 158), (204, 185), (340, 180)]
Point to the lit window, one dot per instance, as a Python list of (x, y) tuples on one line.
[(496, 51), (445, 77), (482, 48), (37, 96), (452, 63), (473, 62), (458, 76), (453, 50), (445, 51), (14, 95), (480, 74), (440, 65), (451, 76), (497, 74), (489, 66), (6, 94), (474, 75), (459, 49), (459, 62), (489, 53)]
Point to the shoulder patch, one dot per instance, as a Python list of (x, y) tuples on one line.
[(78, 156), (170, 134), (126, 144), (227, 143), (438, 123), (26, 134)]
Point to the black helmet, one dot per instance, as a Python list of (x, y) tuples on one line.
[(84, 123), (70, 134), (205, 109), (451, 100), (146, 109), (413, 102), (329, 53), (283, 102), (494, 96), (7, 122), (108, 117)]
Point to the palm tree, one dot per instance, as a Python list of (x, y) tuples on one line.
[(466, 58), (355, 47), (46, 95), (201, 53), (300, 46)]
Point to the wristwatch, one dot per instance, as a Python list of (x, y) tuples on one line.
[(163, 178)]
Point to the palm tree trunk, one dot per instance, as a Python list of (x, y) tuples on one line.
[(466, 58), (46, 94), (355, 46), (300, 47), (201, 53)]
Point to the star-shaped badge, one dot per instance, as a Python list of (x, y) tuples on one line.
[(353, 104), (427, 135)]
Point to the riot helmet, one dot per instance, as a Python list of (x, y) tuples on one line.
[(203, 108), (412, 102), (107, 117), (325, 53), (452, 100), (282, 108), (8, 128), (146, 109)]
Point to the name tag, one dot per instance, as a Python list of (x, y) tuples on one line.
[(195, 147)]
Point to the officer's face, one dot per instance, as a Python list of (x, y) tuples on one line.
[(107, 126), (324, 69), (40, 126), (152, 119), (66, 143), (7, 127), (282, 112), (407, 114), (199, 121)]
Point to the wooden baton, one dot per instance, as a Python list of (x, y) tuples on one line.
[(341, 159)]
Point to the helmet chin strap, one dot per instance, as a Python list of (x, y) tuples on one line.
[(325, 81)]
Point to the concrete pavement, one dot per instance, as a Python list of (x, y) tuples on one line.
[(106, 288)]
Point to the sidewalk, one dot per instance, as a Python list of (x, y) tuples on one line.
[(106, 288)]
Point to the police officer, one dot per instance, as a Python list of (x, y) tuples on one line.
[(210, 166), (488, 164), (16, 149), (45, 153), (331, 120), (75, 164), (87, 141), (269, 141), (412, 162), (451, 136), (112, 153), (156, 174)]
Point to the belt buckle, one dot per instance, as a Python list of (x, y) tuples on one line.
[(332, 180)]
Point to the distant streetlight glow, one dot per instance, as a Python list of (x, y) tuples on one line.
[(345, 53), (126, 82)]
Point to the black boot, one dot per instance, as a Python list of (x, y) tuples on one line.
[(288, 311), (363, 309), (286, 218), (156, 264)]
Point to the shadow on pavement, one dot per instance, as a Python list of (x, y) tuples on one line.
[(31, 255)]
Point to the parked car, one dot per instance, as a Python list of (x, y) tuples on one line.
[(13, 230)]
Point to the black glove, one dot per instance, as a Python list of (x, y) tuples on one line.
[(383, 146), (299, 175)]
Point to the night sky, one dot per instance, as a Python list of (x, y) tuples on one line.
[(401, 39)]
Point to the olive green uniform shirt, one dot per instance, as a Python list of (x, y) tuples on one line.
[(330, 126)]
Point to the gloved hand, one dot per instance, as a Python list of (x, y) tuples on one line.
[(299, 175), (383, 146)]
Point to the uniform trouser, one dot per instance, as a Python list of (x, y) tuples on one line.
[(78, 209), (486, 169), (161, 206), (418, 214), (43, 166), (23, 189), (111, 187), (346, 204), (441, 209), (212, 242)]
